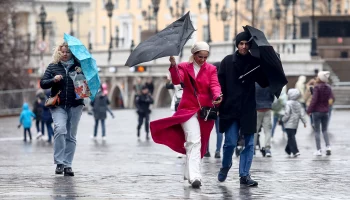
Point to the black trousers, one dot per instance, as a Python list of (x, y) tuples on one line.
[(143, 117), (292, 146), (25, 135)]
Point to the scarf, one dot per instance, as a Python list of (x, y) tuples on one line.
[(68, 64)]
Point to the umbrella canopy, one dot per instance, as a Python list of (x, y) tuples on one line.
[(269, 60), (88, 64), (168, 42)]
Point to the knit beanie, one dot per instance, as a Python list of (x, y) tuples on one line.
[(242, 36)]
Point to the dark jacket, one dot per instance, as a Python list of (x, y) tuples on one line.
[(143, 102), (100, 106), (264, 98), (38, 108), (322, 92), (46, 116), (239, 95), (66, 86)]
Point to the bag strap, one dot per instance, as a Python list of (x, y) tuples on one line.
[(195, 92)]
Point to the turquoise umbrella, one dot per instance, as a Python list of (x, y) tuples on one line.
[(88, 64)]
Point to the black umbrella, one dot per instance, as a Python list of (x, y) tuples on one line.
[(168, 42), (269, 60)]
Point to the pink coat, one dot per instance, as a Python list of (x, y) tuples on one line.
[(168, 131)]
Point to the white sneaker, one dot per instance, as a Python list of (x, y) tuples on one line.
[(104, 138), (328, 151), (93, 137), (296, 155), (38, 136), (318, 153)]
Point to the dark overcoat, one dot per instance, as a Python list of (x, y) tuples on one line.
[(239, 94)]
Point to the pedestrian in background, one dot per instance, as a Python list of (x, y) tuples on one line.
[(143, 103), (301, 87), (66, 115), (47, 120), (186, 132), (294, 112), (25, 119), (319, 107), (100, 108), (149, 84), (278, 107), (38, 107), (264, 100)]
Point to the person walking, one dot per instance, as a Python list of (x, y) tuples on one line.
[(186, 131), (319, 107), (47, 120), (301, 86), (294, 111), (264, 100), (66, 115), (25, 119), (237, 111), (38, 111), (100, 108), (278, 111), (143, 101)]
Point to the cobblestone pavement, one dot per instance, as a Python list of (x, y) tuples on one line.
[(124, 168)]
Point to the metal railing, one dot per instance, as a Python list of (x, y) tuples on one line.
[(11, 101)]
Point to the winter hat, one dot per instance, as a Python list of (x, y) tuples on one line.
[(293, 94), (242, 36), (198, 46), (323, 76)]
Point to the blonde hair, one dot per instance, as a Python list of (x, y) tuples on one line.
[(56, 56)]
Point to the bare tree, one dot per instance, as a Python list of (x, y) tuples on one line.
[(13, 50)]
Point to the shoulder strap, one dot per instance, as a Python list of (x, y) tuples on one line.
[(195, 92)]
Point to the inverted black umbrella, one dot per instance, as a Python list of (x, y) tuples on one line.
[(269, 60), (168, 42)]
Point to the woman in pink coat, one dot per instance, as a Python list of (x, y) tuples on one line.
[(185, 132)]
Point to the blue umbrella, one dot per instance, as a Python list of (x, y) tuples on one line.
[(88, 64)]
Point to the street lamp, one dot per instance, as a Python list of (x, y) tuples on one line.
[(234, 38), (294, 25), (313, 37), (132, 46), (329, 7), (155, 4), (208, 5), (70, 13), (109, 7), (117, 38), (177, 14), (42, 16), (224, 14), (286, 5)]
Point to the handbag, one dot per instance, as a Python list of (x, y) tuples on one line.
[(53, 101), (206, 113)]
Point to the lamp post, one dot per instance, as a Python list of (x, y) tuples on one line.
[(147, 15), (286, 5), (177, 14), (294, 24), (234, 38), (109, 7), (208, 5), (329, 7), (223, 14), (313, 37), (132, 46), (42, 16), (70, 13), (253, 16), (155, 4)]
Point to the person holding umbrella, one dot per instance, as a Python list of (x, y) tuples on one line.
[(200, 89), (238, 109), (66, 115)]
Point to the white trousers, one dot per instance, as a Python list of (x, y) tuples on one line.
[(264, 119), (193, 149)]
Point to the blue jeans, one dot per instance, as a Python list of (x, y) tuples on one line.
[(103, 127), (65, 130), (246, 157), (218, 136)]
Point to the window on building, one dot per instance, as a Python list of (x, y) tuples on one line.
[(140, 32), (227, 3), (104, 35), (104, 2), (347, 6), (302, 4), (140, 4), (126, 34), (226, 32), (248, 4), (168, 3), (261, 3), (187, 3), (205, 33), (116, 6), (127, 4)]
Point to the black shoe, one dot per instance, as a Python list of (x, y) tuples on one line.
[(196, 184), (68, 171), (59, 169), (238, 151), (223, 173), (246, 180), (263, 152), (217, 155), (207, 154)]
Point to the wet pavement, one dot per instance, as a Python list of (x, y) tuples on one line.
[(123, 167)]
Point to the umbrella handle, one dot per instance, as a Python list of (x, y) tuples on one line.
[(248, 72), (178, 74)]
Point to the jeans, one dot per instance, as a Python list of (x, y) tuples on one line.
[(292, 146), (65, 128), (277, 118), (37, 123), (141, 117), (103, 127), (320, 119), (25, 135), (264, 119), (246, 156), (49, 129), (219, 136)]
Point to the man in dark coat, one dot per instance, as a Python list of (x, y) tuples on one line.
[(100, 108), (143, 102), (238, 108)]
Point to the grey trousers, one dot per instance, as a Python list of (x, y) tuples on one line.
[(321, 123), (264, 119)]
